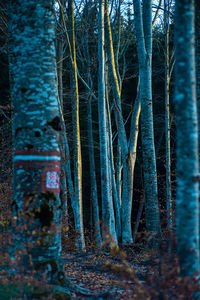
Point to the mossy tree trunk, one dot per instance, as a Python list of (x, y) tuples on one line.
[(36, 206)]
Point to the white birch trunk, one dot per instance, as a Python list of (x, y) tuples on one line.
[(77, 199), (128, 153), (143, 26), (104, 161), (167, 116)]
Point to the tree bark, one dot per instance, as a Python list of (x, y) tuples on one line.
[(187, 206), (143, 24), (36, 128), (167, 116), (77, 203), (103, 130), (128, 148)]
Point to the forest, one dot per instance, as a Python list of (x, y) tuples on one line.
[(99, 139)]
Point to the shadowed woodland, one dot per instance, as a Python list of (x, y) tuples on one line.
[(99, 172)]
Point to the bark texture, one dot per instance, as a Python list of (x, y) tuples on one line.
[(143, 25), (107, 204), (36, 128), (128, 148), (167, 116), (187, 206), (77, 202)]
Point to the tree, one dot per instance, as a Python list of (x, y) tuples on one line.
[(106, 192), (143, 26), (187, 206), (36, 129), (197, 58), (36, 207), (88, 31), (128, 147), (167, 115), (77, 202)]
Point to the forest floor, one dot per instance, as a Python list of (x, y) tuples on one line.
[(122, 273)]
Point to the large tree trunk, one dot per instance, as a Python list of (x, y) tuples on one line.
[(197, 59), (143, 24), (36, 129), (187, 206)]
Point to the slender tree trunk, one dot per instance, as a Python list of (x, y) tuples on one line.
[(137, 222), (187, 206), (112, 173), (119, 173), (77, 199), (104, 162), (143, 24), (94, 195), (59, 58), (128, 153), (167, 116)]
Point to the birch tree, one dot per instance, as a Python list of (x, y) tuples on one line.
[(59, 59), (77, 198), (106, 193), (167, 115), (187, 206), (94, 195), (143, 26), (128, 147)]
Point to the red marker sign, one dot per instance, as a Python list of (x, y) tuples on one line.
[(45, 162)]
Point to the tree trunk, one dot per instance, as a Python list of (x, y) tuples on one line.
[(128, 153), (167, 116), (93, 182), (197, 60), (143, 24), (187, 206), (77, 199), (36, 128), (104, 161), (59, 59)]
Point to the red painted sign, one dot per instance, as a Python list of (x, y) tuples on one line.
[(45, 162)]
